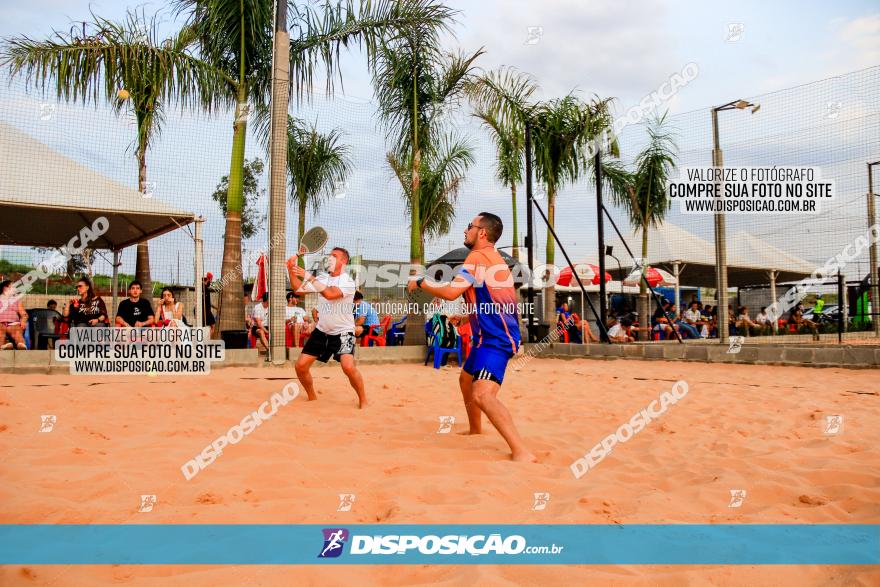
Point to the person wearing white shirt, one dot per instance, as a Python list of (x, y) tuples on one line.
[(763, 321), (260, 317), (296, 318), (333, 335)]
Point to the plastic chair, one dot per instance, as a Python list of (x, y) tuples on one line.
[(563, 332), (395, 334), (438, 351), (41, 328), (377, 333), (27, 338), (466, 336)]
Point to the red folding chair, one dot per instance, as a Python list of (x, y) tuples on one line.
[(377, 333)]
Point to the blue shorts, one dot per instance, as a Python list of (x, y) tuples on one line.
[(487, 363)]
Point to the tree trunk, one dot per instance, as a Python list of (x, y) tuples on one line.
[(142, 263), (550, 292), (301, 230), (643, 305), (415, 322), (232, 294), (515, 223)]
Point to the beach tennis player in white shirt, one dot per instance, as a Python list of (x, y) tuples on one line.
[(334, 334)]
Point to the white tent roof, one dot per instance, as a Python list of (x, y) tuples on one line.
[(47, 198), (749, 250), (748, 258)]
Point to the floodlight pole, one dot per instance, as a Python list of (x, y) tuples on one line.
[(278, 186), (720, 224), (872, 254), (720, 242)]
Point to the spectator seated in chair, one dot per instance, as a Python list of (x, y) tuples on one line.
[(570, 323), (135, 311), (13, 318), (365, 316), (260, 328), (622, 332)]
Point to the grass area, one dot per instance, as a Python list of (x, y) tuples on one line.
[(64, 285)]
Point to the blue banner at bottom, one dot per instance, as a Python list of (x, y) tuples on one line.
[(685, 544)]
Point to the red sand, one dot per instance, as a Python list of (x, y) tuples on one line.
[(757, 428)]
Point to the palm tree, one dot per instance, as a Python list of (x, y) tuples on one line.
[(441, 173), (566, 133), (561, 131), (507, 132), (416, 84), (126, 65), (646, 201), (236, 37), (316, 163)]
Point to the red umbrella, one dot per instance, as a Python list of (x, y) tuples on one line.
[(587, 272), (261, 283), (654, 276)]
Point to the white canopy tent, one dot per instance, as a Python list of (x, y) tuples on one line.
[(691, 259), (46, 199)]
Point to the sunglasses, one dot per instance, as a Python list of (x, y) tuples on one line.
[(472, 225)]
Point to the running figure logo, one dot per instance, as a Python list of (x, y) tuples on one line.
[(735, 32), (334, 541), (541, 500), (446, 423), (833, 424), (736, 343), (147, 503), (737, 496), (533, 35), (47, 423), (346, 500)]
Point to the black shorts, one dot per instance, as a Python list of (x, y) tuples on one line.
[(323, 346)]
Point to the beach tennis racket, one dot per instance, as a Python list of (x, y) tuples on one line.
[(313, 240)]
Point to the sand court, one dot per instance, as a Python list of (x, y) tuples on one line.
[(760, 430)]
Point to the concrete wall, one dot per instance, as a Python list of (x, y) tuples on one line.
[(848, 356), (804, 355)]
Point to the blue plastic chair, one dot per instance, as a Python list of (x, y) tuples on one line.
[(438, 351), (395, 333)]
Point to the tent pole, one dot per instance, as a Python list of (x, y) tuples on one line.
[(198, 253), (584, 323), (676, 268), (773, 299), (115, 286)]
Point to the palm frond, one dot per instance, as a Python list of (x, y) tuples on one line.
[(318, 36)]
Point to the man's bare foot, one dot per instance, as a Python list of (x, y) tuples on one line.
[(469, 432), (523, 457), (362, 404)]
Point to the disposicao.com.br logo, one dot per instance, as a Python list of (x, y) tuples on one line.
[(454, 544)]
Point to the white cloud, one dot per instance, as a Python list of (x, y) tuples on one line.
[(857, 44)]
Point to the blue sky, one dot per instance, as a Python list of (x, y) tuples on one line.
[(625, 50)]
